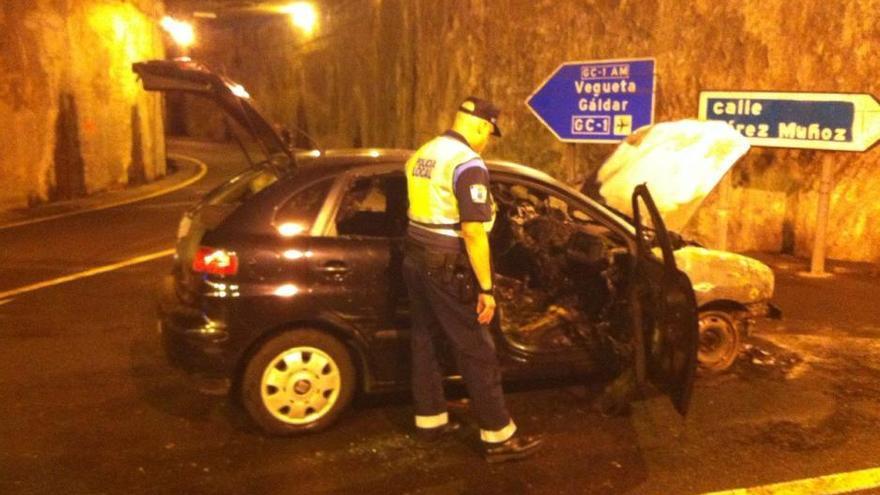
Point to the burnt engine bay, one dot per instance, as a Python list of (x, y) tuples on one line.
[(561, 276)]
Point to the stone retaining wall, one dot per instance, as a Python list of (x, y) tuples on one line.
[(74, 118)]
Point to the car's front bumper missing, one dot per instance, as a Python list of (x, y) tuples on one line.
[(755, 312), (763, 310)]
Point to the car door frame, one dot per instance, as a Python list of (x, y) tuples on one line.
[(381, 344), (666, 348), (518, 356), (664, 284)]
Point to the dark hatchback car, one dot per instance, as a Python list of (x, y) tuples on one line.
[(287, 278)]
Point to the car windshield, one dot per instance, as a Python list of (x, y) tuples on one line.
[(678, 241)]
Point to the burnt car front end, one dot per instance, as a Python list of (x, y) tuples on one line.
[(733, 292), (682, 162)]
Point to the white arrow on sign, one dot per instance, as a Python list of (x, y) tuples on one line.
[(825, 121), (866, 127)]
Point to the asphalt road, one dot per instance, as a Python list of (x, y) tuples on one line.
[(90, 406)]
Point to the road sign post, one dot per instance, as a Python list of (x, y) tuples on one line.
[(817, 263), (569, 163), (822, 121), (724, 190)]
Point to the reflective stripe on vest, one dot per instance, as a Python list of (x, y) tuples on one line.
[(429, 177)]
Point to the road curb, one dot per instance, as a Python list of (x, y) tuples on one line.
[(189, 170)]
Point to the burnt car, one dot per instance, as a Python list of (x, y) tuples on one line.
[(682, 162), (287, 278)]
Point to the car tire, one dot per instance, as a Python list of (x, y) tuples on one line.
[(719, 343), (298, 381)]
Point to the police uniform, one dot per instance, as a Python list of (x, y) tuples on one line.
[(448, 184)]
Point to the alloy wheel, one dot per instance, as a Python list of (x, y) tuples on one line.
[(300, 385)]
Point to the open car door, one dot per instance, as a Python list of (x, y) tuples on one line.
[(667, 353)]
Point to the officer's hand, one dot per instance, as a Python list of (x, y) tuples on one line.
[(485, 308)]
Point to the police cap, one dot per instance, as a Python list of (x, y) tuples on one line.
[(483, 109)]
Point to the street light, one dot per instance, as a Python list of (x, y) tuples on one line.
[(181, 32), (303, 15)]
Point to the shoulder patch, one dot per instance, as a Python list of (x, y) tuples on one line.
[(479, 194)]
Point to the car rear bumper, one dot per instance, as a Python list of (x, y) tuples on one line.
[(192, 341)]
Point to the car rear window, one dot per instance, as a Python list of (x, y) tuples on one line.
[(302, 208), (374, 206)]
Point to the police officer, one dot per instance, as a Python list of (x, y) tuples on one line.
[(448, 273)]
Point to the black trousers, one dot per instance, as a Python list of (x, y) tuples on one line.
[(438, 307)]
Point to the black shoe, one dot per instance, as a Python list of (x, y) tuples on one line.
[(515, 447), (433, 434)]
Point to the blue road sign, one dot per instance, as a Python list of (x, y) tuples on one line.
[(599, 101), (828, 121)]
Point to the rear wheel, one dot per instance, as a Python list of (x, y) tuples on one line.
[(719, 341), (298, 381)]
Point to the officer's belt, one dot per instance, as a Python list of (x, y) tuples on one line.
[(432, 256), (436, 226)]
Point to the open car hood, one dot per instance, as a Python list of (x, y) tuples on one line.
[(191, 77), (681, 162)]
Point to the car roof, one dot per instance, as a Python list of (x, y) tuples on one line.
[(321, 164), (340, 160), (350, 156), (524, 170)]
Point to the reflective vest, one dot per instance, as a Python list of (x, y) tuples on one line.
[(429, 178)]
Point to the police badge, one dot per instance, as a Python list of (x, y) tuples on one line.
[(479, 193)]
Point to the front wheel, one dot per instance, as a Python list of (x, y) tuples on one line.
[(719, 341), (298, 381)]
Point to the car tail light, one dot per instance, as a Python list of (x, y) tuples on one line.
[(215, 261)]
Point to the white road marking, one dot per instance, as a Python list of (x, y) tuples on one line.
[(827, 485), (87, 273), (203, 169)]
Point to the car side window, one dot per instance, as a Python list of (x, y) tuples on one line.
[(299, 212), (373, 206)]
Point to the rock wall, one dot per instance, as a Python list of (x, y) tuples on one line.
[(74, 118), (391, 72)]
